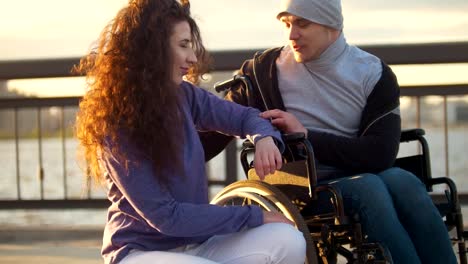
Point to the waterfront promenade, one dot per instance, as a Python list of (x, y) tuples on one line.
[(47, 246), (447, 139)]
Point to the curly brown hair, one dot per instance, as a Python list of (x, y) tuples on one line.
[(130, 87)]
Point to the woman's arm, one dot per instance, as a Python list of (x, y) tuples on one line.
[(154, 203)]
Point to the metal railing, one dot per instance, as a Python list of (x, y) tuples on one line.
[(223, 61)]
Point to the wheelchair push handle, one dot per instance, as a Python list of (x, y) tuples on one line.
[(222, 86), (293, 137)]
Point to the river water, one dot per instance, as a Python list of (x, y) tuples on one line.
[(55, 183)]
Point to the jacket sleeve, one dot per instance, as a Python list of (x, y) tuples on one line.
[(372, 152), (376, 146), (154, 203)]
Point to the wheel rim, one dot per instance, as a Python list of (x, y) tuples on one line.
[(273, 199), (255, 195)]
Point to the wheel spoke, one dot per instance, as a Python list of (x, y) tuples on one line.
[(270, 198)]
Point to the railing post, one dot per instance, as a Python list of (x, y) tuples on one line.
[(39, 141), (64, 151), (231, 162), (17, 158), (447, 168)]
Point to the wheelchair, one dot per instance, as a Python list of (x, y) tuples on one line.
[(331, 233)]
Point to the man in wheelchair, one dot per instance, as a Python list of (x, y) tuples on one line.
[(346, 102)]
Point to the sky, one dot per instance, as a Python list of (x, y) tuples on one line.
[(32, 29)]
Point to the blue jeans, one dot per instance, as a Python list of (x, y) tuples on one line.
[(395, 210)]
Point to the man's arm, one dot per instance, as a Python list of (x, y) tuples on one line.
[(374, 151), (376, 146)]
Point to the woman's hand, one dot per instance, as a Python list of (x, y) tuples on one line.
[(267, 157), (275, 217)]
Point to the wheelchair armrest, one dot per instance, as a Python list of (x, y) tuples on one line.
[(293, 137), (411, 134), (451, 193), (289, 139), (419, 164)]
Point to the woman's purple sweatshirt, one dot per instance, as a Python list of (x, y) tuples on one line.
[(146, 215)]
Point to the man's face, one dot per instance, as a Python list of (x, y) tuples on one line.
[(308, 40)]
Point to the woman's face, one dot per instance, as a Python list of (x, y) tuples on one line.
[(182, 52)]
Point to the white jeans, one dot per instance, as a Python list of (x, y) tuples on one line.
[(275, 243)]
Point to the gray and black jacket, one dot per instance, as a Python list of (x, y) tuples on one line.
[(374, 149)]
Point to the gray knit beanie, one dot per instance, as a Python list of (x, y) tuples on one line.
[(324, 12)]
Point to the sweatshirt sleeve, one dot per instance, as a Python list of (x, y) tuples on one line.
[(153, 203), (211, 113)]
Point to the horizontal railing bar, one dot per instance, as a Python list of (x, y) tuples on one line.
[(54, 204), (421, 53), (88, 203), (38, 102), (424, 53), (443, 90), (37, 68), (419, 90)]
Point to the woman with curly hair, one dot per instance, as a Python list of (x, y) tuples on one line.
[(137, 126)]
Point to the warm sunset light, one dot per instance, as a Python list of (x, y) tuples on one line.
[(68, 29), (130, 122)]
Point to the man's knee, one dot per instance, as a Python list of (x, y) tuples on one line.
[(365, 186), (364, 191), (402, 181)]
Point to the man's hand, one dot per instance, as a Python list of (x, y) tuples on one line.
[(267, 157), (284, 121)]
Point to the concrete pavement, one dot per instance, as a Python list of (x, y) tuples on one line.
[(47, 246), (70, 252), (37, 246)]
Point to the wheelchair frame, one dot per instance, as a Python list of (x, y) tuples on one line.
[(328, 234)]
